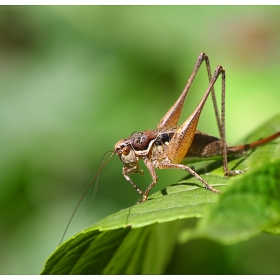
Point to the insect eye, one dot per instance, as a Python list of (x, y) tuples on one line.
[(125, 150)]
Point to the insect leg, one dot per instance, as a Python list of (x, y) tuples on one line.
[(207, 62), (222, 129), (221, 121), (170, 119), (182, 139), (170, 165), (126, 171), (152, 171)]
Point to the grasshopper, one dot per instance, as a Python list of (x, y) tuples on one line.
[(168, 145)]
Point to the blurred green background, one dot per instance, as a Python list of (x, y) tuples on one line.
[(75, 80)]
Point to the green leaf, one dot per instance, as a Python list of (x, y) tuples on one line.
[(274, 230), (141, 238), (248, 207)]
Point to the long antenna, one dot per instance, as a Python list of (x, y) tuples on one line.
[(96, 181), (85, 191)]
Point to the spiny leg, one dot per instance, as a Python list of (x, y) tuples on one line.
[(222, 128), (182, 139), (207, 62), (171, 118), (170, 165), (152, 171), (125, 171), (221, 122), (223, 125)]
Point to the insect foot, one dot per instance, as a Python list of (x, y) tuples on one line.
[(144, 198), (236, 172)]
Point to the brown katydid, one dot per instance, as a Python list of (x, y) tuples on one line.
[(168, 145)]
